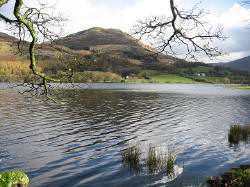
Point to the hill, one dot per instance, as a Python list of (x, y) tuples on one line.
[(112, 41), (111, 49), (108, 55), (242, 64), (97, 36)]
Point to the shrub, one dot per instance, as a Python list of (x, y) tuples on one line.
[(13, 178), (239, 177)]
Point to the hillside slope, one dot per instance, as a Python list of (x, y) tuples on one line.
[(99, 54), (242, 64), (112, 41), (98, 36), (106, 50)]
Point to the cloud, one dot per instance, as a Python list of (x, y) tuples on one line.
[(235, 22), (84, 14), (239, 40), (236, 16)]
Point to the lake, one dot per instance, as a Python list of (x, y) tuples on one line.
[(79, 143)]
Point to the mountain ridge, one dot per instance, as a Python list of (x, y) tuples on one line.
[(96, 36), (112, 41), (107, 51), (242, 64)]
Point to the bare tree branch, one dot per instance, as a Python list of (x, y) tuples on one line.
[(183, 29), (34, 21)]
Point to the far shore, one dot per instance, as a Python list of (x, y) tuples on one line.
[(242, 87)]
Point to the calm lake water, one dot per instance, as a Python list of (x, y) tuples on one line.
[(78, 144)]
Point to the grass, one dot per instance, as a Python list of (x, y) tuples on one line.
[(137, 80), (208, 79), (153, 72), (171, 79), (199, 69), (14, 68), (154, 162), (160, 162), (170, 163), (202, 69), (96, 76), (240, 87), (236, 177), (239, 133), (13, 178), (214, 79), (131, 157)]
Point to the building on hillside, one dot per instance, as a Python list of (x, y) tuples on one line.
[(203, 74), (199, 74)]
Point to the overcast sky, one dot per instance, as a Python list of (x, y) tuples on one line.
[(123, 14)]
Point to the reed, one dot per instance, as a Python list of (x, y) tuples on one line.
[(131, 157), (160, 162), (153, 161), (170, 162), (239, 133)]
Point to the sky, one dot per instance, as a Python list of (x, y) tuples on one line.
[(123, 14)]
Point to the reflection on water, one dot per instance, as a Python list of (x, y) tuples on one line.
[(79, 144)]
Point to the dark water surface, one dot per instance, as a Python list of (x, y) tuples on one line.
[(78, 144)]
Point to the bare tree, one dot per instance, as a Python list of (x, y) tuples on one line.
[(34, 23), (184, 28)]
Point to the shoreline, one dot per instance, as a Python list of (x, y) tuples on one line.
[(232, 86), (239, 176)]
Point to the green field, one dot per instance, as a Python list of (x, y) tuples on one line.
[(149, 71), (137, 80), (199, 69), (240, 87), (202, 69), (162, 79), (207, 79), (171, 79)]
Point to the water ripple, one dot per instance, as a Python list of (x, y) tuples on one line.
[(79, 144)]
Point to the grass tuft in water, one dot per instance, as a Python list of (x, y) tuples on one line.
[(131, 157), (239, 133), (170, 163), (160, 162), (153, 161)]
